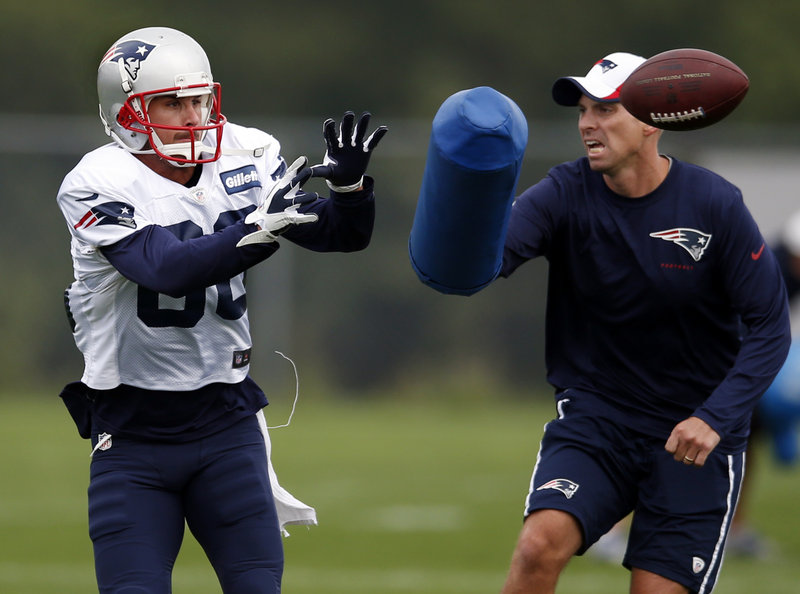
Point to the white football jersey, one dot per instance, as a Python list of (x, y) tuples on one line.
[(129, 334)]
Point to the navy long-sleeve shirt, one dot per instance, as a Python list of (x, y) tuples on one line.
[(646, 296), (163, 262)]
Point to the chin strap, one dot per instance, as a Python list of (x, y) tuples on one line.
[(183, 148), (256, 152)]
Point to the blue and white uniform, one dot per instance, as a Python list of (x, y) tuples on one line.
[(659, 308), (158, 309), (112, 197)]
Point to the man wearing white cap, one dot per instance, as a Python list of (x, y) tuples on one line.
[(654, 266)]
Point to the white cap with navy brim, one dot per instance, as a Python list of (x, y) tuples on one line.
[(601, 83)]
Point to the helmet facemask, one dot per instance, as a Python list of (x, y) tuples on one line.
[(134, 116)]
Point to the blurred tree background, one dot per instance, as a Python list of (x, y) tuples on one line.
[(355, 323)]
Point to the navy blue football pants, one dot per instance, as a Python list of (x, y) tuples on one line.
[(599, 471), (141, 493)]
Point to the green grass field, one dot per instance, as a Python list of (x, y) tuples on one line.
[(413, 496)]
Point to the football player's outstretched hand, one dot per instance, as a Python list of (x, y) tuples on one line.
[(280, 207), (347, 154)]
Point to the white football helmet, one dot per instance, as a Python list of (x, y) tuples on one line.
[(158, 61)]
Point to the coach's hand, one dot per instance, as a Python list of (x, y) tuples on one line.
[(279, 208), (347, 154), (691, 441)]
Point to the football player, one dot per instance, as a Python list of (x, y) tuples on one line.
[(164, 222), (653, 265)]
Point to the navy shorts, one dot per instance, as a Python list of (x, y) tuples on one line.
[(599, 472), (141, 493)]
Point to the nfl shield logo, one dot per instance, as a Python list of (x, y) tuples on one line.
[(698, 564), (198, 195), (103, 442)]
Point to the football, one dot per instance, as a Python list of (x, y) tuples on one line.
[(684, 89)]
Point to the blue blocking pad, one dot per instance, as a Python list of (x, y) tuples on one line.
[(474, 159)]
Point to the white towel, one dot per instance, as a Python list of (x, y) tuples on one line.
[(290, 509)]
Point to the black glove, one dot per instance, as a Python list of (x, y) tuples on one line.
[(347, 155)]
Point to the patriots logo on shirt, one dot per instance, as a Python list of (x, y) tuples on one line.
[(132, 53), (693, 241), (566, 486), (108, 213)]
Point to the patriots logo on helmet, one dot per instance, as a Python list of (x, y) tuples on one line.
[(693, 241), (566, 486), (132, 53), (606, 65), (108, 213)]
